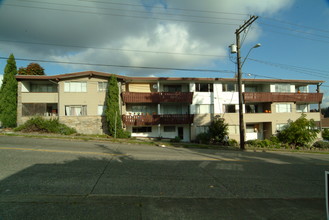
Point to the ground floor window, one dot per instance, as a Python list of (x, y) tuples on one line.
[(280, 127), (142, 129), (202, 129), (169, 128), (41, 109), (75, 110)]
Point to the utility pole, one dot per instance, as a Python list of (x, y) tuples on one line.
[(238, 57)]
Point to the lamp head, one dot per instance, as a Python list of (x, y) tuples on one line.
[(257, 45)]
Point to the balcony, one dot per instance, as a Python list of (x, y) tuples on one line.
[(157, 97), (39, 97), (142, 120), (282, 97)]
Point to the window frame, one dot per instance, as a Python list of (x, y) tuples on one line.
[(68, 86), (82, 113), (204, 87)]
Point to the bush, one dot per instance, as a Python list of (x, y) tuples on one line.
[(299, 133), (263, 143), (203, 138), (176, 139), (321, 144), (233, 142), (325, 134), (123, 134), (39, 124)]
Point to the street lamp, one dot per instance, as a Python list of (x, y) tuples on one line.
[(236, 49), (256, 46)]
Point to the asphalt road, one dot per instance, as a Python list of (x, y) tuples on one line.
[(58, 179)]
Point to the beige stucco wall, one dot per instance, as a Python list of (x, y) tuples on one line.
[(42, 97), (92, 98)]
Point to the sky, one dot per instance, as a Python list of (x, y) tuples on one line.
[(174, 38)]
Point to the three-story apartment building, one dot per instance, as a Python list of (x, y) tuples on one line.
[(168, 107)]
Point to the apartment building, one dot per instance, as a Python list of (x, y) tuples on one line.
[(168, 107)]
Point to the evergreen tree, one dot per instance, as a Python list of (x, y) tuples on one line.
[(112, 110), (8, 94)]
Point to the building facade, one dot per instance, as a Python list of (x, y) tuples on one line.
[(168, 107)]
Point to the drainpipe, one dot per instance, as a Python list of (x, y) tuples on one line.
[(319, 107)]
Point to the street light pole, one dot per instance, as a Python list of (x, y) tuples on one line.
[(239, 65)]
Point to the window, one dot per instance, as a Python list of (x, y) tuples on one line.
[(101, 110), (204, 109), (282, 88), (229, 109), (172, 88), (142, 129), (169, 128), (43, 88), (251, 108), (229, 87), (204, 87), (281, 108), (102, 86), (75, 87), (302, 89), (43, 109), (301, 108), (202, 129), (76, 110), (250, 88), (280, 127)]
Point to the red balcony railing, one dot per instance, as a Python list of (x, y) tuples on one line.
[(157, 97), (282, 97), (141, 120)]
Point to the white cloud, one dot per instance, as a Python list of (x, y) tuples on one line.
[(97, 29)]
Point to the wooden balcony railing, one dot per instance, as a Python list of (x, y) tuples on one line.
[(282, 97), (142, 120), (157, 97)]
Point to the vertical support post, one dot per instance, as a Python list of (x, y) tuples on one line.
[(239, 67), (241, 118)]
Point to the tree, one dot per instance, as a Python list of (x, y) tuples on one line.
[(300, 132), (8, 94), (325, 112), (31, 69), (112, 111), (218, 129)]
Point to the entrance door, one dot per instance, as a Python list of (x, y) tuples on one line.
[(181, 132)]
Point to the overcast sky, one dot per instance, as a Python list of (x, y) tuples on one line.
[(177, 34)]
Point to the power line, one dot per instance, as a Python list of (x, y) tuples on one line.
[(304, 70), (135, 11), (113, 49), (176, 9), (293, 30), (122, 66), (120, 15), (294, 24)]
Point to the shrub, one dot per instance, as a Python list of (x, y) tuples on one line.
[(299, 133), (233, 142), (123, 134), (325, 134), (176, 139), (203, 138), (321, 144), (217, 130), (39, 124)]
